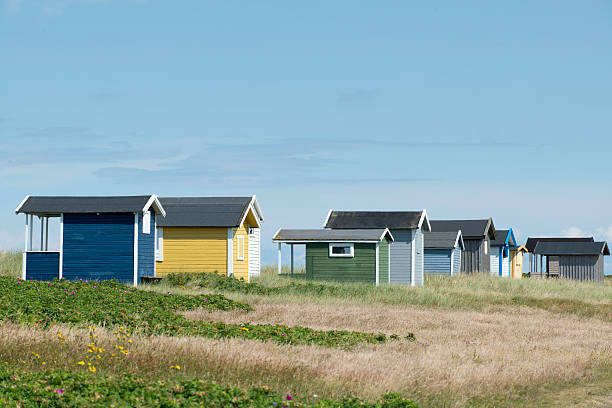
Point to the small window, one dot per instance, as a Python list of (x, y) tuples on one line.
[(240, 248), (486, 247), (341, 250), (146, 222)]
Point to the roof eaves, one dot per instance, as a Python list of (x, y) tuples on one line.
[(154, 201), (327, 218), (459, 239), (423, 218), (26, 198)]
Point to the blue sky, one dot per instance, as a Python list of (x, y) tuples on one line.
[(469, 109)]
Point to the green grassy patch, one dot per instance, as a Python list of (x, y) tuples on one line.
[(67, 389), (475, 292), (110, 304), (10, 263)]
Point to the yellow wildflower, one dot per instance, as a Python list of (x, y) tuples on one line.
[(176, 367), (246, 329), (81, 363), (92, 369)]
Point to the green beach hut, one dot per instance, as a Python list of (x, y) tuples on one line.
[(345, 255)]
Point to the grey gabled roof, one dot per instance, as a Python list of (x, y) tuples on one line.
[(443, 240), (571, 248), (332, 235), (532, 242), (501, 236), (206, 211), (376, 219), (87, 204), (470, 229)]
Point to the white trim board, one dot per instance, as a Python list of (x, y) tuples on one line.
[(230, 251), (21, 204), (251, 207), (389, 262), (377, 264), (135, 249), (327, 218), (154, 200), (350, 245), (61, 259), (334, 241), (413, 259), (424, 217)]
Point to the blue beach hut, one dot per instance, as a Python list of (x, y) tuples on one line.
[(443, 252), (502, 252), (100, 238)]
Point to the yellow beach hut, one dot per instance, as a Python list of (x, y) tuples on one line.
[(517, 255), (209, 234)]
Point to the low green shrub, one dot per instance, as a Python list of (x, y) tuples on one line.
[(67, 389), (110, 304), (180, 279)]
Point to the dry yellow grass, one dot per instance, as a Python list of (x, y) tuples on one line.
[(459, 351)]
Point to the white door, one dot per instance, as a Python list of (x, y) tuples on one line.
[(254, 261)]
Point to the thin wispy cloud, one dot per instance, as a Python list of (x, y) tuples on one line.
[(12, 6), (359, 96)]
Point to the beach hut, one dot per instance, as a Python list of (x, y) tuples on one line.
[(582, 261), (443, 253), (407, 247), (100, 238), (537, 267), (345, 255), (503, 250), (210, 234), (518, 255), (477, 236)]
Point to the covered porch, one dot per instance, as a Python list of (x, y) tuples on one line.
[(42, 261)]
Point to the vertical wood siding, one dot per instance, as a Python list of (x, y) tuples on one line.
[(457, 261), (419, 254), (474, 258), (485, 259), (360, 268), (42, 266), (438, 261), (495, 260), (254, 252), (146, 248), (401, 256), (383, 261), (241, 267), (193, 249), (99, 247), (581, 268), (506, 265)]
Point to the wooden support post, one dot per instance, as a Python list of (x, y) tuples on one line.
[(24, 259), (42, 232), (279, 258), (31, 237), (47, 234), (291, 259)]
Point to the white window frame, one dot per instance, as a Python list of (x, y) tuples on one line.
[(240, 248), (486, 246), (146, 222), (343, 245), (159, 245)]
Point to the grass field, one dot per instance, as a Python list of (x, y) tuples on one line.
[(470, 341)]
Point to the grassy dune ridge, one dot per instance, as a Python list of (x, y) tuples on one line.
[(481, 341)]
